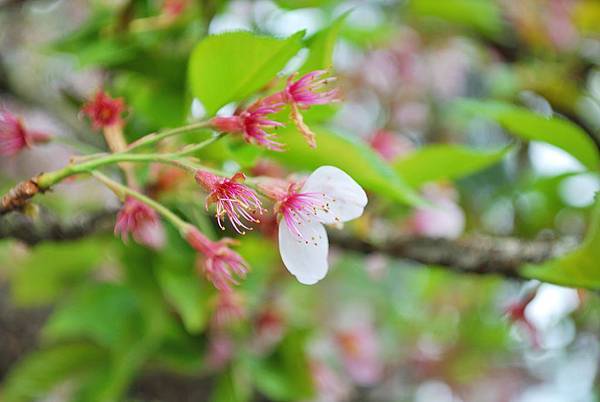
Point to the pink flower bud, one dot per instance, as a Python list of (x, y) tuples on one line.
[(218, 262), (14, 137), (234, 200), (142, 222), (104, 111), (252, 123)]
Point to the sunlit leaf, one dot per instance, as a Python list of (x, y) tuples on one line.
[(484, 16), (578, 268), (52, 267), (352, 156), (102, 312), (39, 373), (231, 66), (445, 162), (534, 127)]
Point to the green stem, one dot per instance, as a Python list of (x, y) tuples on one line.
[(156, 137), (161, 209)]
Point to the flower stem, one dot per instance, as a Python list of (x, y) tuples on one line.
[(161, 135), (121, 189)]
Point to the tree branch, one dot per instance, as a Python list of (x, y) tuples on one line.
[(47, 227), (474, 254)]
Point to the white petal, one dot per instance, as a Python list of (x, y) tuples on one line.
[(306, 257), (345, 197)]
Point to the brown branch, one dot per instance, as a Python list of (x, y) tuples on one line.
[(47, 227), (474, 254)]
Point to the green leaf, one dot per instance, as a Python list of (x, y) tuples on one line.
[(38, 374), (166, 110), (53, 267), (531, 126), (352, 156), (188, 294), (232, 66), (321, 46), (445, 162), (103, 312), (231, 387), (484, 16), (578, 268), (285, 375)]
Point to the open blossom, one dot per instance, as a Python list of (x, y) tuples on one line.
[(142, 222), (104, 111), (328, 196), (307, 92), (14, 137), (233, 199), (360, 354), (329, 385), (218, 262), (252, 123)]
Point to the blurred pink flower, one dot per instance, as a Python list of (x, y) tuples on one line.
[(252, 123), (360, 354), (229, 309), (174, 8), (218, 262), (389, 145), (104, 111), (561, 30), (14, 137), (444, 219), (516, 314), (234, 200), (220, 350), (142, 222), (270, 327), (330, 387)]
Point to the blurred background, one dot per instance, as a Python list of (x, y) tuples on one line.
[(78, 320)]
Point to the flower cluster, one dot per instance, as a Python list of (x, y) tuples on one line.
[(253, 121), (14, 137)]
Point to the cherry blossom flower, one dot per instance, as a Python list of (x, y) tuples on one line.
[(142, 222), (14, 137), (328, 196), (218, 262), (104, 111), (360, 354), (252, 123), (233, 199), (304, 93)]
